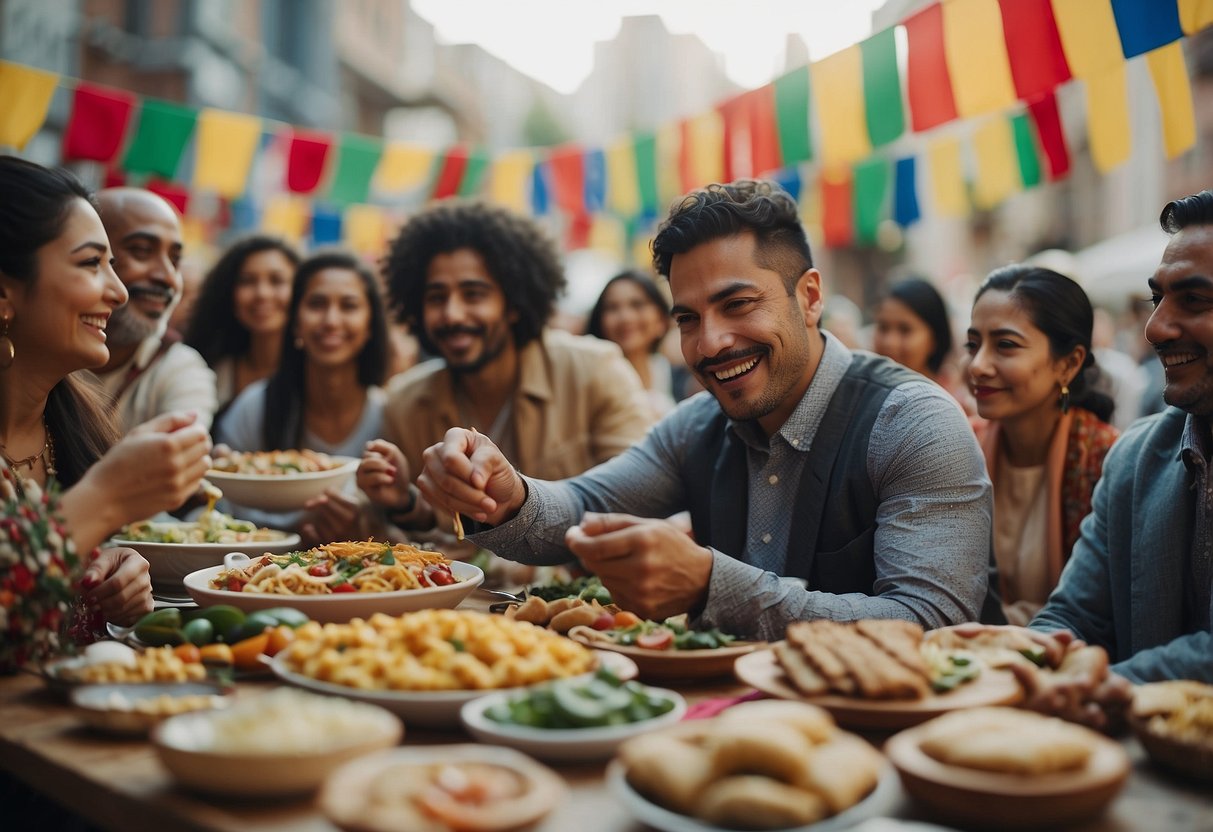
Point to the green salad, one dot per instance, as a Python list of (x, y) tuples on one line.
[(580, 703), (211, 527)]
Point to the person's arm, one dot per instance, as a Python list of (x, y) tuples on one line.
[(1186, 657), (185, 383), (931, 542)]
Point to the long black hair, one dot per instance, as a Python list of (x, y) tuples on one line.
[(1061, 310), (651, 293), (35, 203), (284, 392), (213, 329), (923, 299)]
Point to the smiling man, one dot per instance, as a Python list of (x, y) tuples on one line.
[(149, 371), (821, 483)]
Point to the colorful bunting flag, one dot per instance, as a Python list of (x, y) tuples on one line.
[(882, 88), (161, 136), (98, 123), (1052, 139), (1109, 129), (1146, 25), (837, 207), (1038, 62), (26, 93), (928, 84), (905, 193), (473, 173), (364, 228), (947, 177), (608, 235), (510, 180), (568, 179), (789, 179), (357, 159), (594, 171), (1195, 15), (623, 193), (1025, 150), (1088, 36), (764, 135), (645, 148), (306, 154), (539, 189), (838, 93), (871, 189), (792, 116), (326, 227), (734, 115), (286, 216), (669, 162), (225, 146), (703, 150), (450, 172), (976, 52), (997, 163), (1170, 76), (176, 195), (404, 167)]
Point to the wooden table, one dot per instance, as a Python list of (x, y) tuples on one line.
[(120, 784)]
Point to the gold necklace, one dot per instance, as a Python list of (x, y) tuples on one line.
[(47, 453)]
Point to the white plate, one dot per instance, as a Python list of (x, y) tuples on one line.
[(340, 607), (424, 709), (881, 801), (282, 492), (169, 563)]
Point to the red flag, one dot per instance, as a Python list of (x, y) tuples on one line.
[(578, 234), (764, 133), (178, 195), (451, 173), (98, 123), (837, 209), (114, 178), (686, 166), (568, 179), (1038, 62), (305, 160), (928, 83), (1052, 139), (737, 157)]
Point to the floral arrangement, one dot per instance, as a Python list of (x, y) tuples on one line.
[(39, 568)]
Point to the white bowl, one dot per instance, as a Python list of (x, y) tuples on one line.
[(169, 563), (181, 743), (562, 744), (340, 607), (97, 705), (282, 492)]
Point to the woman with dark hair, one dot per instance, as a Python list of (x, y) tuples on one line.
[(240, 314), (1030, 368), (632, 312), (912, 327), (63, 488), (325, 395)]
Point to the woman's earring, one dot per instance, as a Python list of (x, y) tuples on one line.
[(7, 351), (1064, 402)]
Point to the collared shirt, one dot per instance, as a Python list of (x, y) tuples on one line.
[(177, 380), (1198, 595), (932, 541)]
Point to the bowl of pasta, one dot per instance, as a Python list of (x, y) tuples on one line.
[(174, 548), (337, 581), (279, 480)]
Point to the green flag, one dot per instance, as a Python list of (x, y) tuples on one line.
[(163, 132), (882, 88), (1025, 149), (473, 174), (792, 116), (645, 148), (871, 188), (357, 158)]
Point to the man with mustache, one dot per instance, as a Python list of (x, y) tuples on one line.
[(821, 483), (150, 371), (477, 285)]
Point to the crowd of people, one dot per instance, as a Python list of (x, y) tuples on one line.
[(807, 480)]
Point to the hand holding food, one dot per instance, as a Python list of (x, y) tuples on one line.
[(331, 516), (466, 473), (650, 566), (384, 476), (117, 582)]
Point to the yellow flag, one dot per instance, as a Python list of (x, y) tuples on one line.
[(997, 162), (669, 151), (364, 228), (837, 83), (403, 167), (1195, 15), (608, 235), (976, 52), (1089, 36), (287, 216), (947, 177), (811, 211), (26, 93), (1109, 129), (622, 189), (226, 144), (194, 235), (705, 149), (510, 180), (1170, 76)]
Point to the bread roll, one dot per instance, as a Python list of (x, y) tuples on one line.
[(749, 802)]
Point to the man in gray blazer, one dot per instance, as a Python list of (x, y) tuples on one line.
[(1140, 580)]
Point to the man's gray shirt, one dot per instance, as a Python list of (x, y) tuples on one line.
[(932, 539)]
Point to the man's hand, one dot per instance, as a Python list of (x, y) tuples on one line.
[(1081, 689), (118, 582), (383, 474), (650, 566), (331, 517), (467, 473)]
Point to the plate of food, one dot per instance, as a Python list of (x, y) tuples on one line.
[(469, 788), (759, 765), (874, 674), (668, 650), (174, 549), (1174, 723), (1005, 768), (109, 662), (279, 480), (134, 709), (337, 581), (572, 719), (425, 665)]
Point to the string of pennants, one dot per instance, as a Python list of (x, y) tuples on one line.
[(829, 132)]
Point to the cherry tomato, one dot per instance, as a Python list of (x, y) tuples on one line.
[(345, 587), (659, 639), (439, 574), (604, 621), (319, 570), (246, 654), (188, 653), (625, 619)]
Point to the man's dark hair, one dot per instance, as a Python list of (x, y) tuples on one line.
[(519, 255), (1191, 210), (757, 206)]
